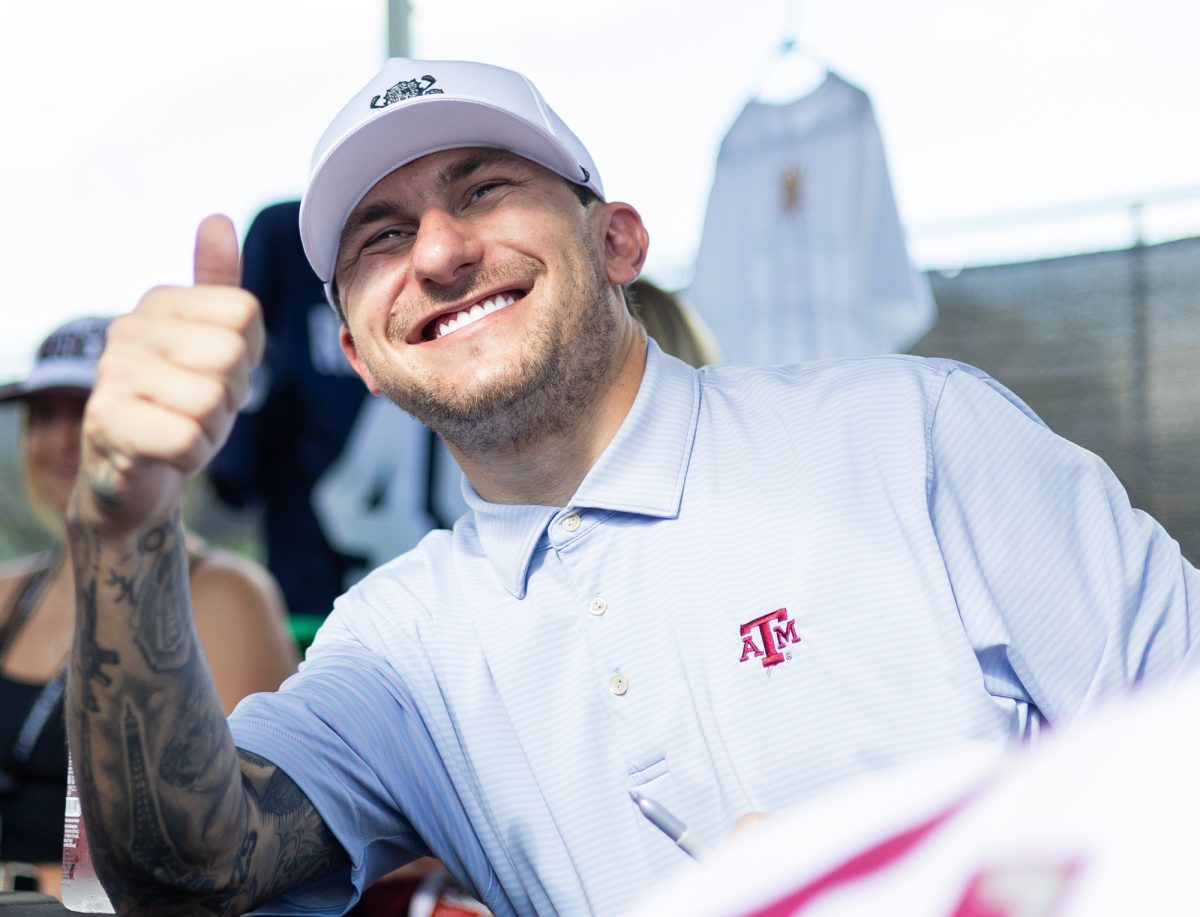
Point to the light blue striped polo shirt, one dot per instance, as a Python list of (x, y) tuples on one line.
[(773, 579)]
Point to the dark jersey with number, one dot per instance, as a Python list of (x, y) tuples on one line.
[(301, 411)]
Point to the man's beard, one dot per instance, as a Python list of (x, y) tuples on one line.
[(562, 370)]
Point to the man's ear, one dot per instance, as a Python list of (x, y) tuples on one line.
[(350, 349), (625, 242)]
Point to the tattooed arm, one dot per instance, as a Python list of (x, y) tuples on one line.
[(178, 822)]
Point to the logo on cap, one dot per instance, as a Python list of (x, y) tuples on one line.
[(406, 89), (76, 341)]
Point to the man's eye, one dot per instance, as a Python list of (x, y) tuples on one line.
[(480, 191), (391, 234)]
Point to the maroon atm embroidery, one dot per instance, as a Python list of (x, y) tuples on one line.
[(774, 632)]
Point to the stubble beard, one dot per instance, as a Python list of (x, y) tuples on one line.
[(560, 373)]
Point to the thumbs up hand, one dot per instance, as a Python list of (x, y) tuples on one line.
[(168, 387)]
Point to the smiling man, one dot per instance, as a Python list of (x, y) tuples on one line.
[(500, 323), (720, 591)]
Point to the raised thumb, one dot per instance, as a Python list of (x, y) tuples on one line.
[(216, 260)]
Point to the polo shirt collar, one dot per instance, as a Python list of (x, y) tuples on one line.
[(642, 471)]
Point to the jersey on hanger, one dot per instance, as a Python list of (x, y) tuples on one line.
[(802, 254)]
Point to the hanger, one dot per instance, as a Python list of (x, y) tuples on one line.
[(793, 70)]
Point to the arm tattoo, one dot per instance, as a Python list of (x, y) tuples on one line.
[(150, 844), (307, 849), (193, 743), (92, 656), (161, 606), (178, 825), (123, 586)]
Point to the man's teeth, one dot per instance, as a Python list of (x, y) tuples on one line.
[(475, 313)]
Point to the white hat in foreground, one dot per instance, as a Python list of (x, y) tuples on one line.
[(413, 108)]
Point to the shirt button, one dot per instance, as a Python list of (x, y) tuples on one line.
[(619, 685), (571, 523), (598, 606)]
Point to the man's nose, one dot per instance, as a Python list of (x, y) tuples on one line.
[(446, 248)]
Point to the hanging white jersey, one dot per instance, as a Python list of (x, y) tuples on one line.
[(802, 255)]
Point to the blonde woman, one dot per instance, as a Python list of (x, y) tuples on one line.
[(675, 326), (238, 613)]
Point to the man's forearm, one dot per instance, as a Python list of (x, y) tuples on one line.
[(157, 773), (178, 822)]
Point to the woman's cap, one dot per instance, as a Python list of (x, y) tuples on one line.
[(66, 359), (413, 108)]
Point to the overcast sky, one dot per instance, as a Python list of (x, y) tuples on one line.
[(125, 122)]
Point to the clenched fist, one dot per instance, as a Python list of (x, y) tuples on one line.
[(168, 388)]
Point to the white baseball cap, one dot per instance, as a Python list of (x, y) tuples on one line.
[(413, 108), (66, 359)]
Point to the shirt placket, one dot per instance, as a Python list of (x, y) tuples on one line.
[(577, 540)]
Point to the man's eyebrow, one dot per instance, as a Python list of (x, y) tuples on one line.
[(463, 168), (456, 171), (373, 212)]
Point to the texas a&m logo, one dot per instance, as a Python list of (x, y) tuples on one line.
[(767, 637)]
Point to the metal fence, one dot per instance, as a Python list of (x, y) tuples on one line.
[(1106, 348)]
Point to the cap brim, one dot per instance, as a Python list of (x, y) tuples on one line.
[(417, 128), (51, 374)]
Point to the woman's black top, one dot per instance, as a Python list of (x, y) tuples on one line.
[(33, 768)]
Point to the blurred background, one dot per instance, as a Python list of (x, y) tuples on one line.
[(1044, 155)]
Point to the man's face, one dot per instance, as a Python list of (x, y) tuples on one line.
[(476, 296)]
